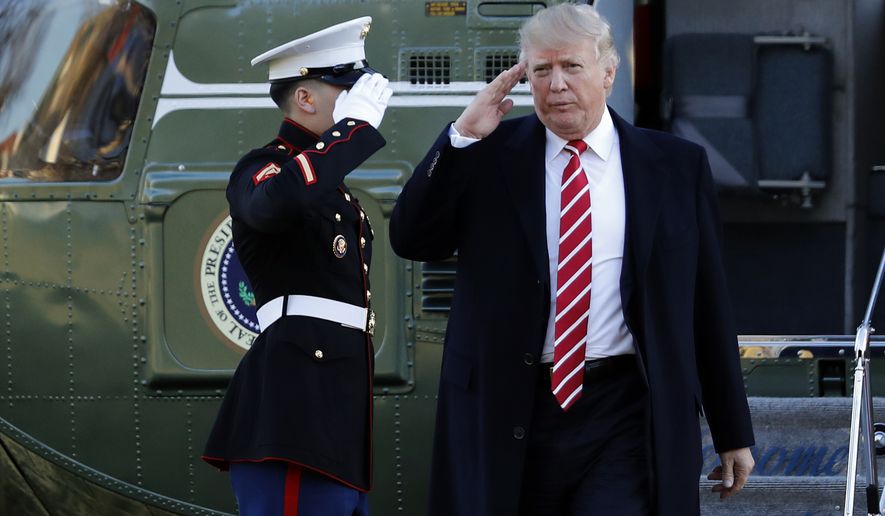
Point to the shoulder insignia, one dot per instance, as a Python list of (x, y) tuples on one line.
[(266, 172), (306, 167)]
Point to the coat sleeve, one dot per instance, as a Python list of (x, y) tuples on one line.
[(268, 189), (719, 368), (424, 222)]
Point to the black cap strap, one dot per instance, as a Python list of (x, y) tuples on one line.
[(326, 71)]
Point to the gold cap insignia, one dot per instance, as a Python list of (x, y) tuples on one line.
[(365, 31), (304, 71)]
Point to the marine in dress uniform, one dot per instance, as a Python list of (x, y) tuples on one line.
[(294, 428)]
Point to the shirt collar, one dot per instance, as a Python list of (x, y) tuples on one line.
[(600, 139)]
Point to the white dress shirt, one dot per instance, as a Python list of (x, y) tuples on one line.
[(607, 333)]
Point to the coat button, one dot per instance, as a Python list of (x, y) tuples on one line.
[(518, 432), (337, 217), (320, 145), (347, 197), (351, 123), (281, 147), (362, 242), (368, 295), (318, 353), (362, 215), (366, 267), (528, 358), (336, 134)]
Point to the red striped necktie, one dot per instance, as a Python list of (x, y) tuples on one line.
[(572, 280)]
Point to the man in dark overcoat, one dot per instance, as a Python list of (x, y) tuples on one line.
[(295, 426), (590, 325)]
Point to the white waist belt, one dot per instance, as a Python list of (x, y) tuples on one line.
[(352, 316)]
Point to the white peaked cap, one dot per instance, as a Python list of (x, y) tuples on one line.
[(335, 45)]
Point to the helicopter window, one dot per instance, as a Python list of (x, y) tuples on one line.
[(69, 91)]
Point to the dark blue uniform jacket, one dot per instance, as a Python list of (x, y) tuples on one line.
[(302, 393)]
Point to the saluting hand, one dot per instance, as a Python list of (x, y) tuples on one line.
[(367, 100), (736, 467), (489, 106)]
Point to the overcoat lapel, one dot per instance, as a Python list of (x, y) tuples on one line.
[(524, 173), (645, 178)]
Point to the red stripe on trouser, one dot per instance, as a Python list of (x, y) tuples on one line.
[(292, 489)]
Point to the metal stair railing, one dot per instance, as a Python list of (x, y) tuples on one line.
[(862, 411)]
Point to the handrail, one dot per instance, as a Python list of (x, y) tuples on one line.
[(862, 410)]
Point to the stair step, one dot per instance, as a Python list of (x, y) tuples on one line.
[(801, 458), (790, 497)]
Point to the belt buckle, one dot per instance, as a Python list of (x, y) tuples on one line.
[(370, 325)]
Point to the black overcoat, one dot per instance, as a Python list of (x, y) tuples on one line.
[(487, 202), (303, 391)]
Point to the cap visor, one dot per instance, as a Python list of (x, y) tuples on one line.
[(347, 79)]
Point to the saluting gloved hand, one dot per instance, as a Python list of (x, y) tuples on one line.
[(366, 100)]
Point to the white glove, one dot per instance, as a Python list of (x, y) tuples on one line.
[(366, 100)]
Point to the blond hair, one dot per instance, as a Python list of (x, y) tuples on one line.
[(561, 25)]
